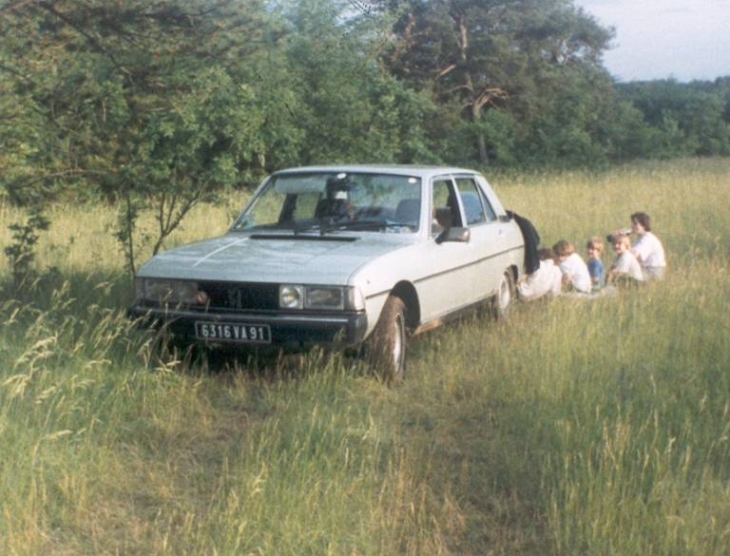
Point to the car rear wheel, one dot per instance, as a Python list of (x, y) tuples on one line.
[(386, 347), (505, 296)]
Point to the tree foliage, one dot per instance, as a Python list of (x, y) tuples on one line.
[(687, 119), (134, 101), (513, 57)]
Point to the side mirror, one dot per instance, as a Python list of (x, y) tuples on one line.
[(457, 235)]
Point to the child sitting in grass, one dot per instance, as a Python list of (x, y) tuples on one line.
[(595, 264), (575, 271), (625, 269)]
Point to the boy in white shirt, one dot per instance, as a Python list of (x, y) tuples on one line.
[(574, 269)]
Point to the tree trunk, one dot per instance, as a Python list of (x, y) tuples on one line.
[(476, 115)]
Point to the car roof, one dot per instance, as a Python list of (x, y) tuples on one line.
[(422, 171)]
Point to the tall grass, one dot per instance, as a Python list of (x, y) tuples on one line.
[(574, 428)]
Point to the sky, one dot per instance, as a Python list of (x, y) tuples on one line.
[(661, 39)]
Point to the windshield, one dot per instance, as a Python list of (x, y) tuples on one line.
[(336, 201)]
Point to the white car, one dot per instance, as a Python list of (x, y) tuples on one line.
[(343, 256)]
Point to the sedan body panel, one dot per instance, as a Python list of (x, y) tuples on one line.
[(238, 256)]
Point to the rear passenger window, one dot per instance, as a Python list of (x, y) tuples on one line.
[(477, 209)]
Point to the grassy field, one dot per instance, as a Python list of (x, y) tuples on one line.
[(574, 428)]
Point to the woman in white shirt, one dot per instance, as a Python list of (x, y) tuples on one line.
[(647, 248)]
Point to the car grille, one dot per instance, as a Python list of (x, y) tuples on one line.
[(242, 297)]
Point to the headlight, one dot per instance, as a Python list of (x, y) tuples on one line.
[(332, 298), (172, 292), (291, 297), (325, 298)]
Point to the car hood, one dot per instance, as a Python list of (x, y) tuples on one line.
[(236, 257)]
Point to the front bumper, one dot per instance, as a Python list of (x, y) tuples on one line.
[(289, 330)]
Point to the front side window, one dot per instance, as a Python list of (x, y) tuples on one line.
[(445, 206)]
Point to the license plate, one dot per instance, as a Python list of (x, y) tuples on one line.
[(233, 332)]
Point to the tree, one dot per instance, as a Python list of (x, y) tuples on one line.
[(493, 55), (349, 107), (134, 101), (689, 119)]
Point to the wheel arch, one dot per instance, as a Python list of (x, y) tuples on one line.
[(407, 292)]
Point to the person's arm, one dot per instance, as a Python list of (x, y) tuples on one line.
[(638, 248)]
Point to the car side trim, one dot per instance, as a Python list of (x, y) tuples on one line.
[(454, 269)]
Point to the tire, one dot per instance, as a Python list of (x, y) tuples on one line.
[(386, 347), (505, 296)]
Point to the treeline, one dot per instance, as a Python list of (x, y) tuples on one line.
[(678, 119), (166, 102)]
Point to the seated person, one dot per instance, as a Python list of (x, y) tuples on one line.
[(625, 269), (545, 281), (442, 220), (594, 247), (575, 272), (647, 248), (335, 204)]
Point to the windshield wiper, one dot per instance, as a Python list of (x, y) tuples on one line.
[(366, 225), (329, 225), (323, 226), (362, 225), (304, 228)]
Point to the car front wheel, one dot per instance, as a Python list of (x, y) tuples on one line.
[(505, 296), (386, 347)]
